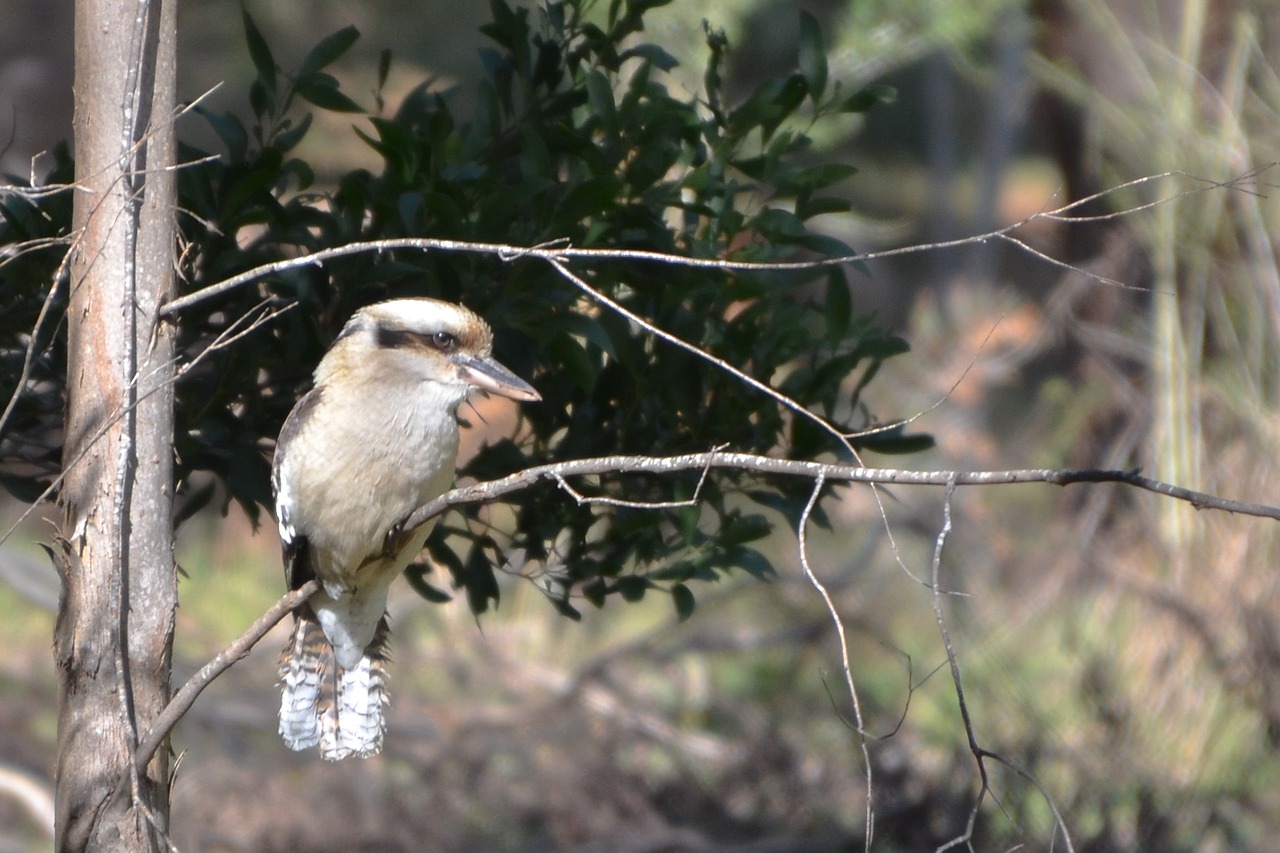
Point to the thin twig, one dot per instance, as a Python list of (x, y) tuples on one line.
[(225, 338), (802, 538), (28, 358), (979, 753), (737, 373), (561, 252)]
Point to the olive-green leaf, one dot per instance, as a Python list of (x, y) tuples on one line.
[(682, 598), (328, 50), (260, 53), (322, 90), (813, 57)]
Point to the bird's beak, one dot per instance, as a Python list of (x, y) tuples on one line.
[(487, 375)]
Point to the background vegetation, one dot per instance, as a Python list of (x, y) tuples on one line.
[(1120, 649)]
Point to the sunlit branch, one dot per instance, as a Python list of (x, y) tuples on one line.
[(487, 491), (561, 252), (558, 473)]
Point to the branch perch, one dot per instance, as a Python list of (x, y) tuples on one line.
[(186, 697), (556, 472)]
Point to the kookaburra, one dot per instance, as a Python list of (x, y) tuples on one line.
[(374, 439)]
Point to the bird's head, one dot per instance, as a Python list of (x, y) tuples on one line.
[(422, 340)]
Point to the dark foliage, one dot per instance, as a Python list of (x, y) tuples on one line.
[(572, 134)]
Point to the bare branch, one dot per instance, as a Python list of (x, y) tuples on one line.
[(559, 472), (487, 491), (626, 504), (802, 539), (980, 754), (560, 252), (1239, 183), (186, 697)]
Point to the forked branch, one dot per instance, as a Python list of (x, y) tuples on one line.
[(558, 472)]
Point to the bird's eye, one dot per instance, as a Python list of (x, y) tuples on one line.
[(444, 341)]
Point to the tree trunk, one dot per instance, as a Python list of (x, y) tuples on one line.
[(114, 634)]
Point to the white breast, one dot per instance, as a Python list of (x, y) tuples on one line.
[(362, 463)]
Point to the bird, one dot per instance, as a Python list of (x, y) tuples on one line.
[(375, 438)]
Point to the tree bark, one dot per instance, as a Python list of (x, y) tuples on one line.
[(113, 639)]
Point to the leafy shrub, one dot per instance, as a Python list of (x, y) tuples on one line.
[(572, 134)]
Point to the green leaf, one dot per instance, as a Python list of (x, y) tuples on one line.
[(384, 67), (415, 574), (678, 571), (639, 7), (444, 555), (893, 442), (478, 577), (230, 131), (791, 95), (682, 598), (548, 68), (631, 587), (769, 106), (289, 137), (780, 225), (755, 564), (194, 502), (813, 56), (322, 90), (822, 176), (259, 101), (838, 306), (535, 160), (589, 329), (654, 55), (301, 170), (810, 207), (595, 592), (260, 53), (588, 198), (738, 529), (881, 346), (328, 50), (577, 363), (865, 99), (564, 608), (600, 96)]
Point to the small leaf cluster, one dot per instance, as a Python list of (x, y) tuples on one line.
[(573, 132)]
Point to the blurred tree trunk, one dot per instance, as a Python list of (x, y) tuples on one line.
[(114, 634)]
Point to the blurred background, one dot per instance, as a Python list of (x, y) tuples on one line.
[(1122, 649)]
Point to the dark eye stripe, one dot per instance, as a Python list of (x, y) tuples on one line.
[(397, 338), (404, 339)]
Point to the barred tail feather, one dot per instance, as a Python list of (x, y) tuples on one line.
[(306, 676), (322, 704)]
